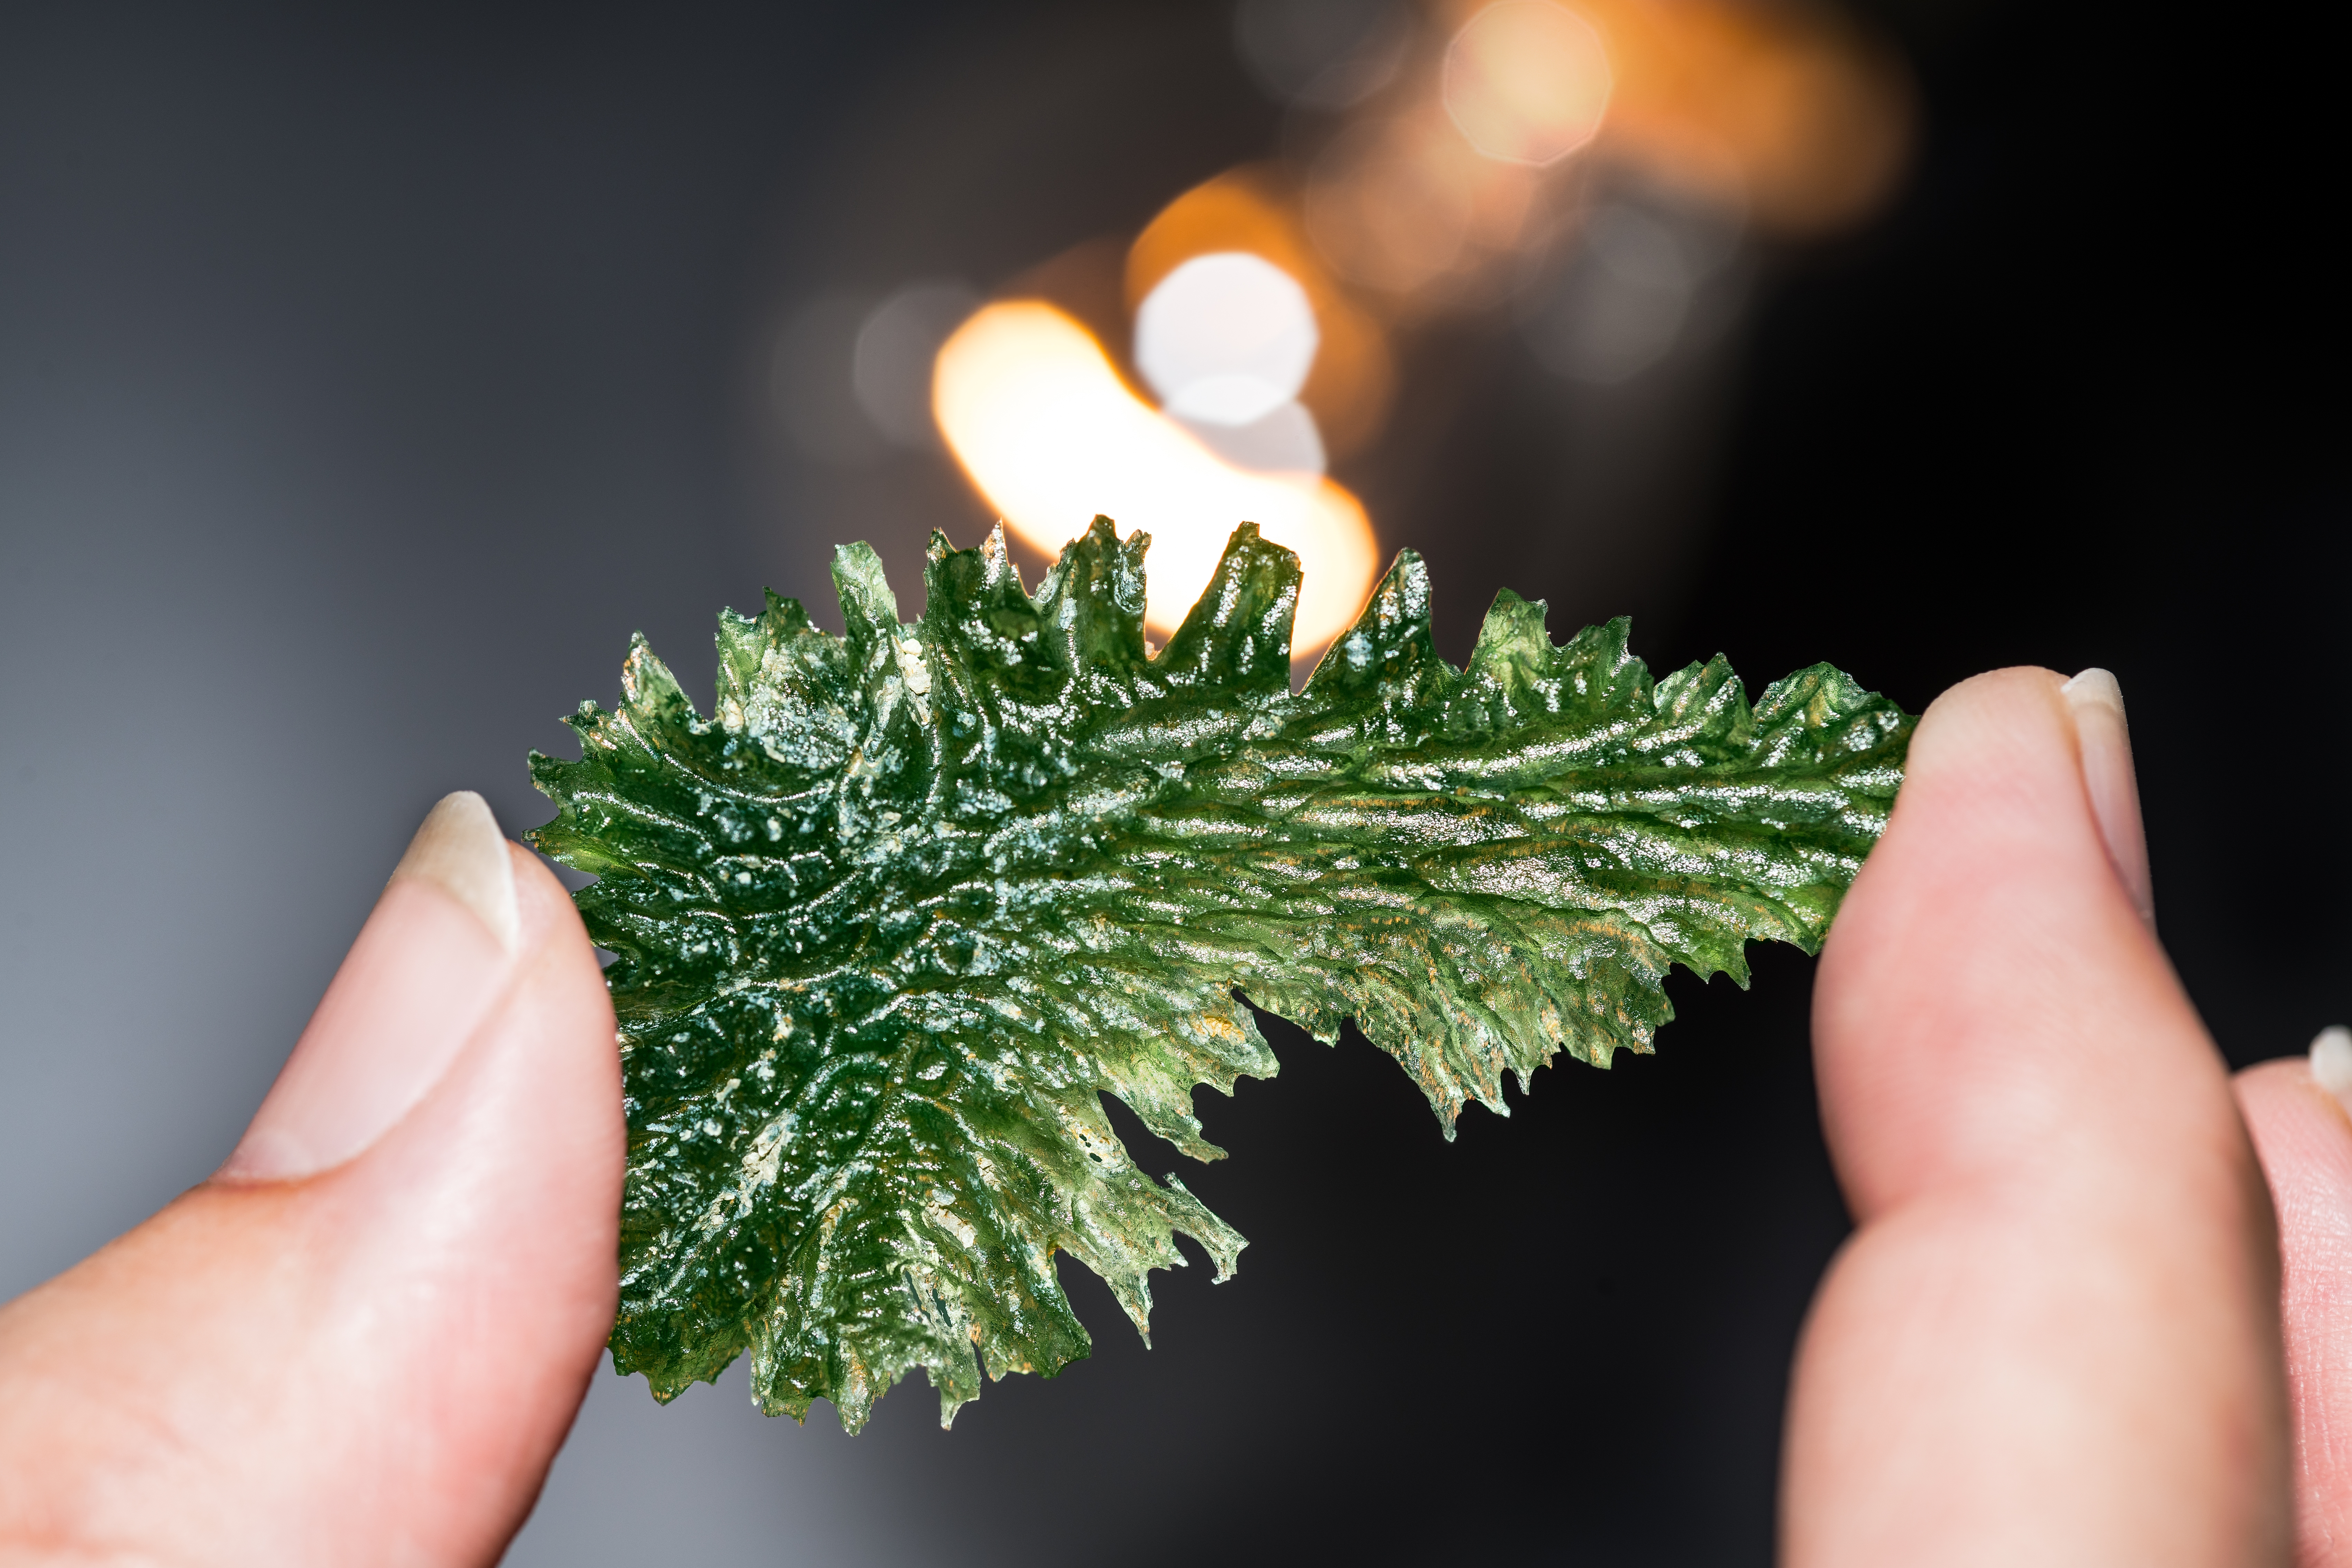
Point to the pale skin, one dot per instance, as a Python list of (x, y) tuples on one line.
[(2055, 1335)]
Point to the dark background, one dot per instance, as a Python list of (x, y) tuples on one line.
[(366, 378)]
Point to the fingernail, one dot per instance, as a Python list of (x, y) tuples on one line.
[(2331, 1061), (2097, 702), (461, 851), (433, 957)]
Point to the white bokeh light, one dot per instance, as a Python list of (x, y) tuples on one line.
[(1225, 338), (1284, 441)]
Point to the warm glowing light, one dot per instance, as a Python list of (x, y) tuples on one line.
[(1391, 206), (1032, 408), (1255, 209), (1226, 338), (1528, 81), (1405, 204), (1788, 112)]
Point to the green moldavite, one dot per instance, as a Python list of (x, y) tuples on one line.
[(892, 920)]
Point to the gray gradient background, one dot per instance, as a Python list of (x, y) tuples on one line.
[(365, 382)]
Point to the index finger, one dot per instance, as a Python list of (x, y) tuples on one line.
[(2304, 1140)]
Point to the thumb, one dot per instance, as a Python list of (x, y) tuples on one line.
[(2054, 1336), (365, 1339)]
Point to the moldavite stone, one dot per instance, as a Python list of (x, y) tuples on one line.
[(893, 919)]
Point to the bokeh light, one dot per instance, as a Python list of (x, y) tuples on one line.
[(1352, 382), (1225, 338), (1637, 290), (1404, 205), (1284, 440), (1032, 408), (1323, 54), (1528, 81), (1580, 177), (1390, 206), (890, 364), (1786, 111)]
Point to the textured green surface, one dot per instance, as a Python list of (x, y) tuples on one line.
[(891, 922)]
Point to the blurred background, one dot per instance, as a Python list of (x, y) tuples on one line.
[(367, 376)]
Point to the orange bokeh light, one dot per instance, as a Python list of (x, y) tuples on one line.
[(1405, 206), (1038, 417), (1785, 111), (1528, 81)]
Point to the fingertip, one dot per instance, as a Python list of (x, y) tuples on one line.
[(1989, 992), (1997, 749), (2301, 1129), (459, 850), (2265, 1083), (1990, 783), (539, 1084), (1990, 716), (2330, 1059), (444, 941), (570, 976), (2032, 737), (2303, 1136)]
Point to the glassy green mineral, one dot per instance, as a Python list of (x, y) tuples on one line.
[(892, 920)]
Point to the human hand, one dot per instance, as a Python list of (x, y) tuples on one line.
[(2053, 1337), (2297, 1110), (364, 1340)]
